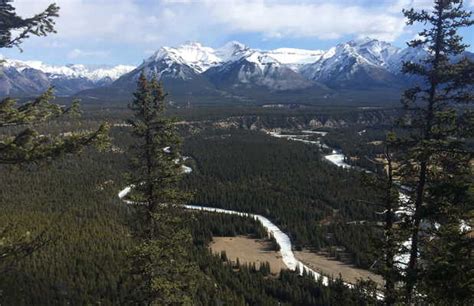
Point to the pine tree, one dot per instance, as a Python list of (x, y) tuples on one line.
[(435, 155), (27, 145), (161, 263), (15, 29)]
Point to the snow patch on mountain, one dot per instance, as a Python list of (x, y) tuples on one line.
[(261, 60), (295, 58), (361, 61), (71, 71), (232, 51), (197, 56), (201, 58)]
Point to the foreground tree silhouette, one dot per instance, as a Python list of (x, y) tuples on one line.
[(436, 162), (162, 265), (19, 142), (15, 29)]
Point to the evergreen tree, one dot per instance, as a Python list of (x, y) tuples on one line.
[(162, 265), (30, 146), (15, 29), (436, 160), (19, 142), (387, 197)]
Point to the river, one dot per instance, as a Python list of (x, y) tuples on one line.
[(281, 238)]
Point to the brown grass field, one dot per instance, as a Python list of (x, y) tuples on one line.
[(248, 250), (257, 251), (333, 268)]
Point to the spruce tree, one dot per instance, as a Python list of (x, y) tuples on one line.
[(20, 143), (436, 161), (161, 263)]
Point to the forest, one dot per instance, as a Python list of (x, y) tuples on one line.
[(74, 202), (69, 236)]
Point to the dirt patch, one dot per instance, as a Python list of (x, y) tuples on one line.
[(333, 268), (248, 250)]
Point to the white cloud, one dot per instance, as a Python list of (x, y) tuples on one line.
[(78, 53), (290, 19), (111, 20), (168, 21), (397, 6)]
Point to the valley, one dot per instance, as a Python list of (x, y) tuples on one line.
[(262, 175), (292, 153)]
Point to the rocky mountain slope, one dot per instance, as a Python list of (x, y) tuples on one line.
[(233, 72), (26, 78)]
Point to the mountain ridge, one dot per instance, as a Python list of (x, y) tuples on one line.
[(230, 71), (23, 78)]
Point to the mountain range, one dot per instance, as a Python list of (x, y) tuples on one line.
[(26, 78), (193, 73)]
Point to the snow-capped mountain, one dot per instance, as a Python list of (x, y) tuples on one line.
[(362, 63), (255, 68), (233, 64), (238, 70), (72, 70), (25, 78), (193, 55), (233, 71), (357, 64)]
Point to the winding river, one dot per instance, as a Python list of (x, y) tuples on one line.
[(282, 239)]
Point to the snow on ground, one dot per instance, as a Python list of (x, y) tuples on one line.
[(281, 238), (186, 169), (402, 259), (123, 193), (464, 227), (337, 159), (314, 132)]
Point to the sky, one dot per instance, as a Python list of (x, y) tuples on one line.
[(116, 32)]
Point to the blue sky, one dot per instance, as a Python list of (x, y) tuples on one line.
[(127, 31)]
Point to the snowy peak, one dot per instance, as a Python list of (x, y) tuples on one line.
[(362, 61), (108, 72), (201, 58), (291, 56), (261, 60), (197, 56), (365, 60), (232, 51), (25, 78), (256, 69), (193, 54), (375, 52), (71, 71)]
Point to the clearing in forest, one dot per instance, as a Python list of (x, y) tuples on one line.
[(248, 250), (332, 267)]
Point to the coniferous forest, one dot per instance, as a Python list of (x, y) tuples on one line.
[(401, 208)]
